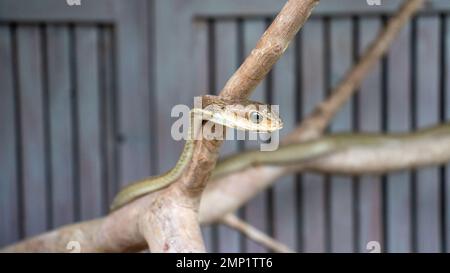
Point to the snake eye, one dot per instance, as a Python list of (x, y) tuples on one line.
[(256, 117)]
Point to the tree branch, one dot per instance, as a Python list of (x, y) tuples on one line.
[(255, 234), (371, 154), (120, 231), (314, 125), (269, 49), (115, 237), (168, 219), (171, 223)]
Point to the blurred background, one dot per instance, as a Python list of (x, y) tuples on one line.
[(86, 93)]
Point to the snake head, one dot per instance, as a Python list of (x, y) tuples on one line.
[(247, 115), (264, 119)]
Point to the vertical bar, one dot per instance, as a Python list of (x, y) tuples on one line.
[(60, 123), (298, 98), (47, 139), (413, 101), (75, 124), (446, 117), (201, 65), (313, 92), (212, 90), (176, 85), (269, 193), (398, 186), (428, 223), (150, 63), (226, 63), (256, 209), (133, 93), (369, 100), (9, 209), (240, 143), (384, 127), (32, 127), (86, 38), (285, 211), (341, 187), (109, 114)]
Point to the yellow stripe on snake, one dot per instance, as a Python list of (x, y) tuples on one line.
[(243, 115)]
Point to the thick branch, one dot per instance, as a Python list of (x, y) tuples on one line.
[(165, 218), (168, 218), (371, 154), (269, 49), (117, 238), (121, 231), (313, 125)]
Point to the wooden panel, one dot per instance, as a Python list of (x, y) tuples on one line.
[(341, 187), (88, 95), (134, 102), (57, 11), (9, 183), (446, 116), (398, 187), (108, 114), (178, 78), (173, 60), (428, 223), (225, 35), (312, 90), (285, 211), (256, 209), (116, 136), (60, 122), (226, 62), (50, 121), (254, 8), (201, 65), (167, 147), (369, 120), (31, 93), (210, 77)]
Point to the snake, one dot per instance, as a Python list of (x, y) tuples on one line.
[(308, 151), (243, 115), (268, 121)]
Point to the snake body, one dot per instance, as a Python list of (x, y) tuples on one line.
[(303, 152), (143, 187), (285, 155), (217, 111)]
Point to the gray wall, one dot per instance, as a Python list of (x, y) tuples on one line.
[(85, 103)]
